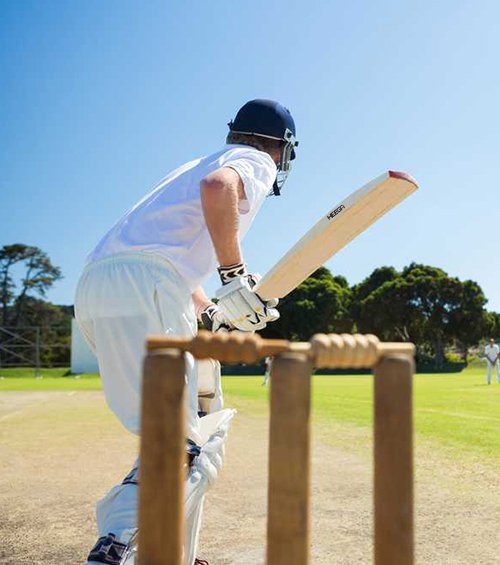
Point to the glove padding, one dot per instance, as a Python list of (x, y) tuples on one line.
[(214, 320), (253, 279), (243, 308)]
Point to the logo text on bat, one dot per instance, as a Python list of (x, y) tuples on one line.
[(333, 213)]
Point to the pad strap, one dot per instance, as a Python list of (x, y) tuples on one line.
[(107, 550), (132, 478)]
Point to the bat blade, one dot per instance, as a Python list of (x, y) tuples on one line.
[(335, 230)]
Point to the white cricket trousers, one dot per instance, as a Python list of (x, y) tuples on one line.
[(119, 301), (489, 368)]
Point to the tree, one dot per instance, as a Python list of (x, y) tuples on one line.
[(422, 304), (492, 322), (38, 276), (470, 322), (53, 324), (378, 277), (374, 307), (386, 312), (318, 305), (10, 255), (435, 297)]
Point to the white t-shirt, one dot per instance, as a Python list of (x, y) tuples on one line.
[(491, 351), (169, 220)]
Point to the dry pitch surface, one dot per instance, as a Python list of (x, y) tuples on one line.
[(60, 451)]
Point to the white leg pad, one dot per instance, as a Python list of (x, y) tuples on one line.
[(117, 511), (210, 397), (203, 474)]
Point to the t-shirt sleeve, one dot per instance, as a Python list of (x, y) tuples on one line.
[(257, 171)]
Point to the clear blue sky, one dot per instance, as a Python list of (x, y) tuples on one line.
[(98, 100)]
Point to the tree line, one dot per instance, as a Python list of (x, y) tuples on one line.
[(420, 303)]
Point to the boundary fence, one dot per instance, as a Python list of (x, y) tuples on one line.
[(35, 346)]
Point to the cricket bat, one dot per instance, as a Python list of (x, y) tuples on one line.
[(335, 230)]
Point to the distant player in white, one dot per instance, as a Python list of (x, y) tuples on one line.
[(268, 362), (492, 352), (145, 276)]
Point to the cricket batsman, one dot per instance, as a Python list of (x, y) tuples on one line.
[(145, 277)]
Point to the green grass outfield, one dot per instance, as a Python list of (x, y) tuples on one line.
[(51, 379), (458, 411)]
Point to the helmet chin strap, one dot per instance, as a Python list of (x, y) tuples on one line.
[(279, 182), (285, 162)]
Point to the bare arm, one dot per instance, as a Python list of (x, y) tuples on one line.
[(200, 300), (209, 314), (220, 194)]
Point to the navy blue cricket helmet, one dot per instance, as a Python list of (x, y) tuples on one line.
[(268, 118)]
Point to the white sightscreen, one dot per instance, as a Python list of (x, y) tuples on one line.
[(82, 359)]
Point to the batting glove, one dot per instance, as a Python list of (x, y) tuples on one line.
[(214, 320), (241, 306)]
